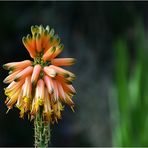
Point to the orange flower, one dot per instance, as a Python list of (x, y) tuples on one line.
[(40, 84)]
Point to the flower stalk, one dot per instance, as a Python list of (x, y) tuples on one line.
[(41, 131)]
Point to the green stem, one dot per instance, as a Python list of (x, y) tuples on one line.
[(41, 131)]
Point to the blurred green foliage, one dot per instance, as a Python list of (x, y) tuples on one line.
[(132, 90)]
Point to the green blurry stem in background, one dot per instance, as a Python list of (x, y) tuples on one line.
[(132, 91), (121, 74)]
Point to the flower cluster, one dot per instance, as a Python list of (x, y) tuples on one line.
[(40, 84)]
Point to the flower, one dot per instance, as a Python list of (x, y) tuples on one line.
[(40, 85)]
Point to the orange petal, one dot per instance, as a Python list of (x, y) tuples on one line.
[(47, 111), (34, 107), (63, 79), (36, 72), (33, 43), (27, 88), (56, 92), (29, 44), (62, 71), (58, 50), (49, 71), (39, 97), (69, 88), (50, 35), (40, 89), (49, 84), (71, 78), (63, 61), (27, 71), (20, 99), (61, 91), (17, 65), (45, 39), (23, 103), (13, 86), (13, 99), (55, 40), (38, 43), (47, 55), (11, 77), (69, 101)]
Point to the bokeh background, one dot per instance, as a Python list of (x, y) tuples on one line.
[(109, 41)]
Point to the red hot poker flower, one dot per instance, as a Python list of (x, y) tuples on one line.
[(40, 84)]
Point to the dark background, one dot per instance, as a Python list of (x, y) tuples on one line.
[(88, 31)]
